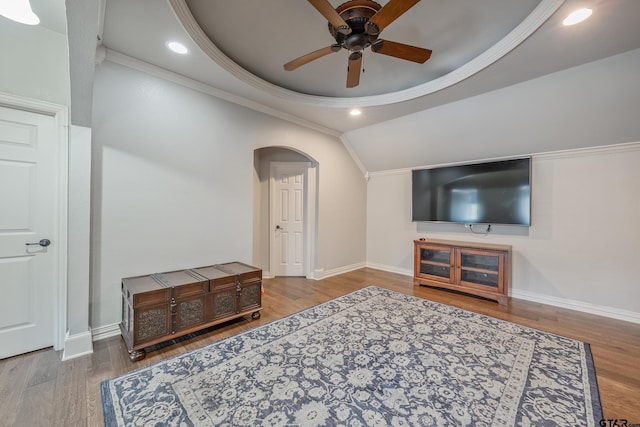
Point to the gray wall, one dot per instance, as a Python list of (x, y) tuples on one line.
[(581, 249), (173, 183)]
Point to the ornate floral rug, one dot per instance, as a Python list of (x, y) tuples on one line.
[(370, 358)]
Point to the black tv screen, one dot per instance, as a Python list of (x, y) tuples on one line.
[(484, 193)]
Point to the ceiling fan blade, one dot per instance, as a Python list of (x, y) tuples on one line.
[(353, 73), (389, 13), (305, 59), (325, 8), (401, 50)]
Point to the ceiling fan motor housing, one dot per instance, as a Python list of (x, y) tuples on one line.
[(355, 25), (356, 13)]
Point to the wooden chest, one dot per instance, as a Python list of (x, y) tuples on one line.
[(235, 289), (163, 306)]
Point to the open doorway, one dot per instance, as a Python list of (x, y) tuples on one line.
[(285, 194)]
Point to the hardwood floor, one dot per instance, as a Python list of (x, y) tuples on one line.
[(37, 389)]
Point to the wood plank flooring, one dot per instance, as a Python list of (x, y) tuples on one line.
[(37, 389)]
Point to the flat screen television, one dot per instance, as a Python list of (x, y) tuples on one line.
[(483, 193)]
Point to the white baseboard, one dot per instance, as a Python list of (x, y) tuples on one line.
[(321, 273), (586, 307), (390, 269), (77, 345), (316, 274), (599, 310), (107, 331)]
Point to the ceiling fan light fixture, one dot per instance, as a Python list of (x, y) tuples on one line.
[(577, 16), (355, 112), (177, 47), (19, 11)]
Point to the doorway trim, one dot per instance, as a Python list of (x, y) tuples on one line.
[(310, 214), (60, 115)]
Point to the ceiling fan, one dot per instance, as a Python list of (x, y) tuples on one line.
[(356, 25)]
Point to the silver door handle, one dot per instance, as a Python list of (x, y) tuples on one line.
[(44, 243)]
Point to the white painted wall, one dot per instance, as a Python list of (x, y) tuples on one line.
[(79, 241), (173, 176), (35, 65), (581, 249), (78, 338), (35, 62)]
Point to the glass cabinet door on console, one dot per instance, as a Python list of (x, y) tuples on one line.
[(480, 268), (436, 262)]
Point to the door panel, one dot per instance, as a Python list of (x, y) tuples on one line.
[(19, 312), (288, 239), (28, 213), (15, 197), (298, 210)]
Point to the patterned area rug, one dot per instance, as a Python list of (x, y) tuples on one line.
[(370, 358)]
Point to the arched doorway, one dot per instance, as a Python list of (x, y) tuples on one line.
[(284, 248)]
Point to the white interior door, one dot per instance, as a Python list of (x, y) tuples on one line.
[(288, 218), (29, 162)]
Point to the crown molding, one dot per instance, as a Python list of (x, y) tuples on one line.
[(548, 155), (531, 23), (589, 151)]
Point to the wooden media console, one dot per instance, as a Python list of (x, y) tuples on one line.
[(473, 268)]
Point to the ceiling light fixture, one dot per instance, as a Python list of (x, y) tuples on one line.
[(19, 11), (577, 16), (178, 47), (355, 112)]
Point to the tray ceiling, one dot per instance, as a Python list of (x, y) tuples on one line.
[(262, 36)]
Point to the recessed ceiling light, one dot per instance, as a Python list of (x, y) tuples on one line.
[(577, 16), (178, 47), (355, 112), (19, 11)]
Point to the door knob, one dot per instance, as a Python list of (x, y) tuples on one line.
[(44, 243), (279, 228)]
